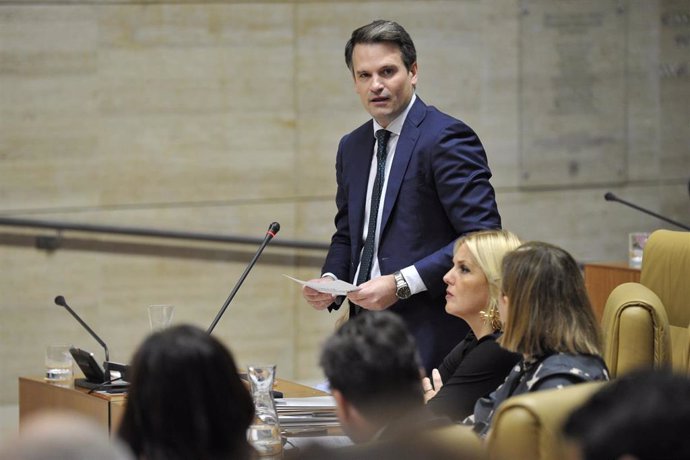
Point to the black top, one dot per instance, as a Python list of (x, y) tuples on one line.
[(473, 369)]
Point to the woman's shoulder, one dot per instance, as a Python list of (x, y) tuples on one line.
[(578, 365)]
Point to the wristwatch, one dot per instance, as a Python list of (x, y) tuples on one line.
[(402, 290)]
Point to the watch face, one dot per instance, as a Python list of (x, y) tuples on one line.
[(403, 292)]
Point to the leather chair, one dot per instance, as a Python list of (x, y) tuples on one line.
[(528, 426), (645, 324)]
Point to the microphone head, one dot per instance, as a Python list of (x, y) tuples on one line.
[(59, 300), (609, 196), (274, 228)]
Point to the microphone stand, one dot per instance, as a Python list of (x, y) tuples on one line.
[(611, 197), (60, 300), (272, 230)]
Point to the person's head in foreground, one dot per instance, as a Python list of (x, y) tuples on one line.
[(373, 368), (63, 436), (642, 415), (186, 399)]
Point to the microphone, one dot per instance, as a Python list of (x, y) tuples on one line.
[(60, 300), (611, 197), (270, 233)]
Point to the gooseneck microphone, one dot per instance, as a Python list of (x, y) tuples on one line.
[(611, 197), (270, 233), (60, 300)]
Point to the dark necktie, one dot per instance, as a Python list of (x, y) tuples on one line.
[(368, 252)]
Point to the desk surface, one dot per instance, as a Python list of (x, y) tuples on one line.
[(288, 388), (36, 394)]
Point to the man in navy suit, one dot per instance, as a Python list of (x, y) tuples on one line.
[(405, 194)]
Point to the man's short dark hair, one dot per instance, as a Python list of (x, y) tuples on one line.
[(642, 413), (382, 31), (373, 361)]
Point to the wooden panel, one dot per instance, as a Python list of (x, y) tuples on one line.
[(602, 278), (36, 395), (117, 410)]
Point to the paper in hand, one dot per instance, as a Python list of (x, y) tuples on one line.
[(335, 287)]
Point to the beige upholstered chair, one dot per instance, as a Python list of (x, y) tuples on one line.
[(528, 426), (645, 324)]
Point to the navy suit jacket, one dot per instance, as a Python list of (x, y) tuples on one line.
[(438, 189)]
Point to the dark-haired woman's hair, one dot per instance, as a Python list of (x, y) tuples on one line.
[(186, 399)]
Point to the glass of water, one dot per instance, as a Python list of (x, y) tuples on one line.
[(58, 364), (265, 438), (160, 316)]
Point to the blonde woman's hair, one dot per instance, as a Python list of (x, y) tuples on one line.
[(488, 248), (548, 307)]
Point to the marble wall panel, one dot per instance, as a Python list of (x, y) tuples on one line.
[(644, 134), (48, 81), (210, 157), (586, 225), (572, 93), (674, 91), (498, 124)]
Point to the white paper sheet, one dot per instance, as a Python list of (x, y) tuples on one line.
[(320, 402), (336, 287)]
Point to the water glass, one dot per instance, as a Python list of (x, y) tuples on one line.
[(58, 364), (265, 439), (160, 316), (264, 433), (636, 244)]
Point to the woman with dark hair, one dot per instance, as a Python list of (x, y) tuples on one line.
[(186, 399), (548, 319)]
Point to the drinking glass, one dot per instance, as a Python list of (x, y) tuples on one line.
[(160, 316), (636, 244), (264, 432), (58, 364)]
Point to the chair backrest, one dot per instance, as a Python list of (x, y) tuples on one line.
[(528, 426), (635, 330), (666, 271)]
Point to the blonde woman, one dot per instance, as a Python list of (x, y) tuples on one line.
[(549, 321), (477, 365)]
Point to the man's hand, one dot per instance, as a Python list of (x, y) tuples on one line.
[(375, 294), (318, 300), (429, 389)]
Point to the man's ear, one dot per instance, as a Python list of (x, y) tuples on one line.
[(354, 424), (343, 406)]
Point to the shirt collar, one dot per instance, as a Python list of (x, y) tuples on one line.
[(396, 125)]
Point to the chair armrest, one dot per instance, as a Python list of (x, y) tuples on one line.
[(635, 330)]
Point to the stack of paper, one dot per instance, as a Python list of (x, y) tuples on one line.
[(307, 415)]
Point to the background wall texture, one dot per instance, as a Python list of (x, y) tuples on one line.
[(221, 117)]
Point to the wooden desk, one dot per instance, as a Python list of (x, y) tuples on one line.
[(603, 277), (35, 394)]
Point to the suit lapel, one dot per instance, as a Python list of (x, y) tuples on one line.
[(403, 152)]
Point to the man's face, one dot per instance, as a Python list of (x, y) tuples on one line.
[(384, 85)]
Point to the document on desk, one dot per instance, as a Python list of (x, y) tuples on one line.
[(312, 412), (311, 403), (335, 287)]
